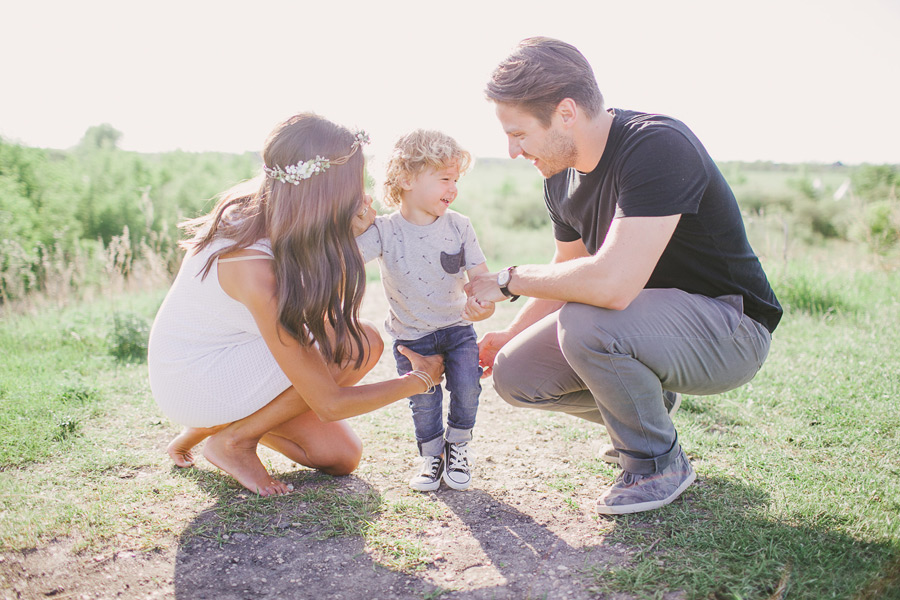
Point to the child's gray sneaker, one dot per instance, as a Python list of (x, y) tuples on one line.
[(632, 493), (672, 401), (458, 473), (429, 478)]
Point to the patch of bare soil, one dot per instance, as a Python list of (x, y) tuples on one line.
[(525, 529)]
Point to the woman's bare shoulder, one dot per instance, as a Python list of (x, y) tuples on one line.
[(248, 281)]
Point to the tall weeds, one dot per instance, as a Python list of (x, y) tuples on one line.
[(31, 278)]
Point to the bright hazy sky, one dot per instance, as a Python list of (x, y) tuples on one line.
[(779, 80)]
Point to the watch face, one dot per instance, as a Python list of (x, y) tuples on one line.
[(503, 278)]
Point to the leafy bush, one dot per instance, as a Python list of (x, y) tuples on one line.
[(876, 182), (881, 222), (56, 203), (129, 336)]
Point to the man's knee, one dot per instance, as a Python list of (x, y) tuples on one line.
[(507, 380)]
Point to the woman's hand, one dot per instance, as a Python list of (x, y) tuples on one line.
[(364, 218), (433, 365)]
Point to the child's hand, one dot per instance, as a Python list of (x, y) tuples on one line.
[(477, 311)]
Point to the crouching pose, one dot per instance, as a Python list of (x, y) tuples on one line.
[(259, 339), (654, 289)]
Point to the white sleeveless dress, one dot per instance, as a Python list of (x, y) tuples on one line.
[(208, 363)]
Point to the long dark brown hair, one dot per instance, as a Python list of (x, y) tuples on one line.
[(319, 272)]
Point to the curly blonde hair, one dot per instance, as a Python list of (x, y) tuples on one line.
[(416, 151)]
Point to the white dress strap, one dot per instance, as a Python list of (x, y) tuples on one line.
[(253, 257)]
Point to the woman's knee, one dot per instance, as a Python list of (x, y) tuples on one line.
[(373, 343), (347, 374), (343, 457)]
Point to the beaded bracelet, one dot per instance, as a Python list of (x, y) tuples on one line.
[(426, 379)]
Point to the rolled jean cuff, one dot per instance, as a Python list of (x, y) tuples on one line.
[(456, 436), (648, 466), (432, 447)]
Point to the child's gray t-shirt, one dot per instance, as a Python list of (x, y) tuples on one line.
[(423, 270)]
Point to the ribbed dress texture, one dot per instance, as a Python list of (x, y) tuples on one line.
[(208, 362)]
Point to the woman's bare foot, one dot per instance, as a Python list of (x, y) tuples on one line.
[(243, 464), (180, 448)]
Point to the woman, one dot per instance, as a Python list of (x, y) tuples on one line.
[(259, 339)]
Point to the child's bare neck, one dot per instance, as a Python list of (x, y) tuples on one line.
[(416, 217)]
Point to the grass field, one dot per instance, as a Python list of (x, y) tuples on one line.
[(799, 471), (800, 468)]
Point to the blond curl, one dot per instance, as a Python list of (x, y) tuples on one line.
[(419, 150)]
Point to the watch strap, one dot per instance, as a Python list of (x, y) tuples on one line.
[(505, 290)]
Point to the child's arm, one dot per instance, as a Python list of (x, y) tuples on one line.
[(474, 310)]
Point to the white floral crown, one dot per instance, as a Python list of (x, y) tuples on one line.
[(294, 174)]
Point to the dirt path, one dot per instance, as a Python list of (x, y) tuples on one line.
[(524, 530)]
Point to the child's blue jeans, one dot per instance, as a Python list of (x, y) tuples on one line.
[(459, 347)]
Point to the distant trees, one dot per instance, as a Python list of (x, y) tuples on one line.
[(101, 137)]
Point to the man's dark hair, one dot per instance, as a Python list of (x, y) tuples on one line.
[(541, 72)]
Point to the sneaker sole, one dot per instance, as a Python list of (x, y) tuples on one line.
[(456, 486), (626, 509), (613, 459), (425, 487)]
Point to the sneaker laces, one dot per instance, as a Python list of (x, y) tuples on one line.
[(629, 478), (430, 466), (459, 457)]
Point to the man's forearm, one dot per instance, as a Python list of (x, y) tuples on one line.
[(533, 311), (579, 280)]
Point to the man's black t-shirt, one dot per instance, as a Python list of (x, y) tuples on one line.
[(655, 166)]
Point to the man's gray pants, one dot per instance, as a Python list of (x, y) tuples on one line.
[(611, 367)]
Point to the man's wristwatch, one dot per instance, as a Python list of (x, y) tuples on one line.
[(503, 278)]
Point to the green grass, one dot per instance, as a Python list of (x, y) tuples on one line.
[(49, 389), (799, 476), (799, 470)]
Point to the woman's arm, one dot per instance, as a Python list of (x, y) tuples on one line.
[(252, 283)]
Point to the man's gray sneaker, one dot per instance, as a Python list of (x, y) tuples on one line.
[(632, 493), (672, 400), (429, 477)]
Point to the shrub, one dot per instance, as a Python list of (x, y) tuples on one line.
[(129, 336), (880, 226)]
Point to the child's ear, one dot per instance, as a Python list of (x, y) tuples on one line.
[(406, 182)]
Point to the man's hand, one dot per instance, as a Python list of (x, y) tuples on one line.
[(488, 347), (484, 288)]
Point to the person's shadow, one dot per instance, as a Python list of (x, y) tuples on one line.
[(312, 544), (518, 557), (307, 544), (527, 556)]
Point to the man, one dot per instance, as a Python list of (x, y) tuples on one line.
[(653, 290)]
